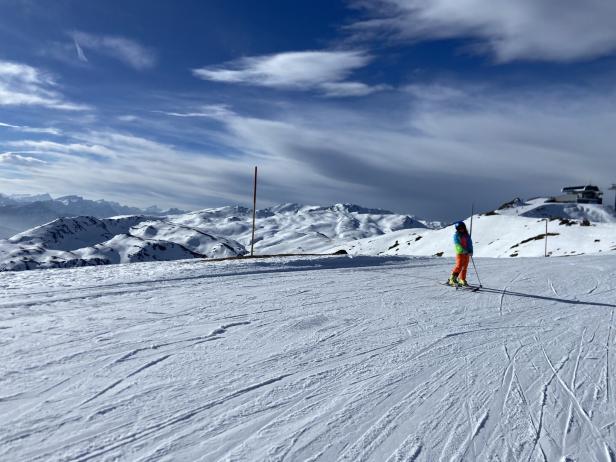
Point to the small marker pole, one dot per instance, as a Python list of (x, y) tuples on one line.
[(254, 215), (545, 253), (476, 273), (471, 234)]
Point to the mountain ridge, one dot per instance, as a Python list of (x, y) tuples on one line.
[(208, 233), (20, 212), (512, 231)]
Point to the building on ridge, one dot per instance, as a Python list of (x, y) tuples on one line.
[(587, 194)]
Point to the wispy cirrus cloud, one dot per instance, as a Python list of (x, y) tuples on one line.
[(126, 50), (138, 171), (19, 159), (26, 129), (323, 71), (213, 111), (80, 54), (24, 85), (422, 154), (439, 147), (127, 118), (548, 30), (46, 146)]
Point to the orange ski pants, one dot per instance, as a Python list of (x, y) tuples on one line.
[(461, 267)]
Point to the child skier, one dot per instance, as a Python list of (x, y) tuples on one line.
[(464, 251)]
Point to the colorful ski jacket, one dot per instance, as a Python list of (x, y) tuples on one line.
[(463, 243)]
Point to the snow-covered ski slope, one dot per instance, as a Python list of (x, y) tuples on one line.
[(542, 208), (496, 236), (333, 358), (511, 232)]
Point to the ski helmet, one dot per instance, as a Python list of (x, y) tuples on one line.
[(460, 225)]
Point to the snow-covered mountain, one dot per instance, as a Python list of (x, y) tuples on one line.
[(543, 208), (210, 233), (25, 198), (72, 233), (515, 230), (20, 212), (86, 241), (295, 228)]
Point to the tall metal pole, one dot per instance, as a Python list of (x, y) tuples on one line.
[(613, 188), (545, 253), (254, 215)]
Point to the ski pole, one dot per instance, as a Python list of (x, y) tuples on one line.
[(475, 266)]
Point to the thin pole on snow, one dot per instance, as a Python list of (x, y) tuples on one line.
[(476, 273), (545, 253), (471, 234), (254, 215)]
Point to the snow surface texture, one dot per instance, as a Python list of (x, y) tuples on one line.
[(511, 232), (211, 233), (320, 359)]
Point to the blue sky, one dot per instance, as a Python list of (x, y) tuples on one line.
[(419, 106)]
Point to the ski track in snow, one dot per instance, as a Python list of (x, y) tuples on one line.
[(309, 359)]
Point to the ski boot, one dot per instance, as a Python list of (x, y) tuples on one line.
[(453, 281), (462, 283)]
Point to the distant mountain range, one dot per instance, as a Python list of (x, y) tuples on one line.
[(19, 212), (209, 233), (515, 229)]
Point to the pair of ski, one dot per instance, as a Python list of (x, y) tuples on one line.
[(461, 287)]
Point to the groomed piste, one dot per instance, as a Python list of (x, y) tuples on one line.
[(336, 358)]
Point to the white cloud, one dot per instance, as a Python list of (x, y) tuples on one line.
[(139, 170), (432, 150), (123, 49), (18, 159), (213, 111), (325, 71), (26, 129), (68, 148), (350, 88), (436, 156), (80, 54), (23, 85), (127, 118), (551, 30)]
